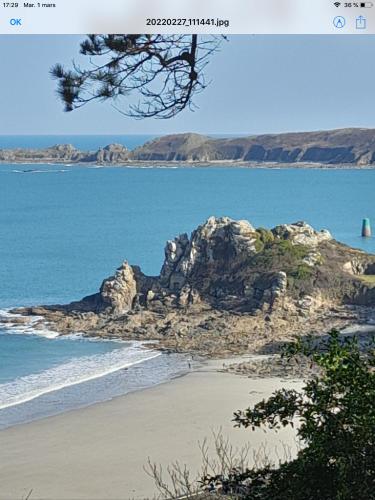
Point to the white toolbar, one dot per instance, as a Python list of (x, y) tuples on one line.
[(188, 16)]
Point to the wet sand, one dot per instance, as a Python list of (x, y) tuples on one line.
[(100, 452)]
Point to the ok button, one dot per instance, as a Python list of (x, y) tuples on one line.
[(15, 22)]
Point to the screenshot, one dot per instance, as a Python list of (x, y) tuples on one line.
[(187, 259)]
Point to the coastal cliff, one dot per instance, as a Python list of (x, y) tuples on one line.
[(334, 147), (228, 287), (352, 147)]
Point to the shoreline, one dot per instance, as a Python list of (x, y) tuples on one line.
[(96, 390), (109, 443), (32, 400), (187, 164), (88, 378)]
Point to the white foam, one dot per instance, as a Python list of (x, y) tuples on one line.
[(29, 327), (39, 171), (7, 314), (74, 372)]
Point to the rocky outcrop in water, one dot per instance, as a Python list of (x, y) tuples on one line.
[(352, 147), (66, 153), (61, 153), (228, 287)]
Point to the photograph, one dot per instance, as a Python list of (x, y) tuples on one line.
[(187, 265)]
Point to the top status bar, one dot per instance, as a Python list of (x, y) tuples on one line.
[(188, 16)]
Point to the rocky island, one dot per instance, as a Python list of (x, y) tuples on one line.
[(342, 147), (227, 288)]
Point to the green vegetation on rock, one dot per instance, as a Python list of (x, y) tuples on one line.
[(368, 279), (303, 272), (264, 238), (276, 255)]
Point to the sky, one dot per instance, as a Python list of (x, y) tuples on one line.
[(259, 84)]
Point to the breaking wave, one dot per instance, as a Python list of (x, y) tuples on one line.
[(28, 327), (73, 372)]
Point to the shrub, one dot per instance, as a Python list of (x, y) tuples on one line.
[(336, 412), (266, 236), (303, 272)]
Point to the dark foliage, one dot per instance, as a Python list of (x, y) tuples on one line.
[(335, 412)]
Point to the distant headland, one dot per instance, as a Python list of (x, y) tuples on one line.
[(351, 147)]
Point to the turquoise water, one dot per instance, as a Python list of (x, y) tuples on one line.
[(32, 366), (42, 353), (63, 232), (64, 229)]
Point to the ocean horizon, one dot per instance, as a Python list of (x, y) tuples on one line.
[(79, 141), (91, 142)]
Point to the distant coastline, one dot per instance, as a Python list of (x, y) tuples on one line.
[(186, 165), (342, 148)]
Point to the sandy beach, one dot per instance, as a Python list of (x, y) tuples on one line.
[(100, 452)]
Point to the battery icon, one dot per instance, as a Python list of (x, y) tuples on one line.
[(366, 5)]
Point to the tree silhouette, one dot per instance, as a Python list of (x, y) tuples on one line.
[(167, 71)]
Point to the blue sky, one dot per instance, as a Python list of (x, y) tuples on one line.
[(260, 84)]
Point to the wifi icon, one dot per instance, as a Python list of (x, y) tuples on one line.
[(337, 4)]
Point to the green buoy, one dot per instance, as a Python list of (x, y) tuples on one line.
[(366, 228)]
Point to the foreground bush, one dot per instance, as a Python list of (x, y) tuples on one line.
[(335, 412)]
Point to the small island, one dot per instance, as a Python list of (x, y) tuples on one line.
[(228, 288)]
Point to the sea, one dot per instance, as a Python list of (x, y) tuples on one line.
[(64, 228)]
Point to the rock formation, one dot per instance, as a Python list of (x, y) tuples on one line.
[(61, 153), (118, 292), (113, 153), (227, 287), (66, 153)]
